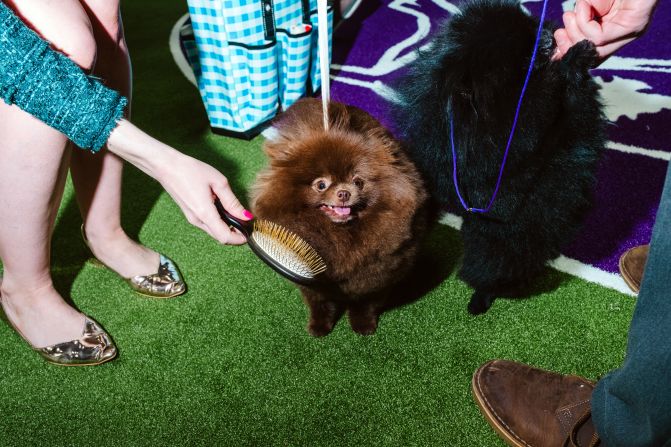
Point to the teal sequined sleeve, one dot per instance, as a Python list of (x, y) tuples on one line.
[(49, 86)]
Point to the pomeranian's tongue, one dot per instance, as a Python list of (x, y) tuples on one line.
[(342, 210)]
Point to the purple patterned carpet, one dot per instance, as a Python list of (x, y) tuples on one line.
[(376, 46)]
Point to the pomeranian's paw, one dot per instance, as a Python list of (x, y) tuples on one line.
[(581, 56), (480, 302), (363, 324), (364, 328), (320, 328)]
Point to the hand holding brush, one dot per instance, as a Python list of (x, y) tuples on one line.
[(190, 182)]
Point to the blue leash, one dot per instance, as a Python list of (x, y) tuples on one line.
[(512, 130)]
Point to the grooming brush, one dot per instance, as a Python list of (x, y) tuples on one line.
[(283, 251)]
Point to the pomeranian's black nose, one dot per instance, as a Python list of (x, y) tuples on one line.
[(344, 195)]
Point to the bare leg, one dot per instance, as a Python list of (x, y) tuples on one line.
[(97, 177), (34, 162)]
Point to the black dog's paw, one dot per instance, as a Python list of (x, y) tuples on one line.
[(581, 57), (480, 302)]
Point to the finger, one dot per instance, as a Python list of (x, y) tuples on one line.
[(601, 7), (230, 202), (592, 29), (563, 43), (219, 236), (219, 230), (227, 236), (572, 30), (192, 219), (236, 238)]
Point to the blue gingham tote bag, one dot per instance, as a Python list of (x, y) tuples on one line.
[(252, 58)]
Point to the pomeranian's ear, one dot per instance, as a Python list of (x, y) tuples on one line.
[(278, 140), (278, 148), (290, 126), (448, 69), (453, 81), (340, 117), (306, 112)]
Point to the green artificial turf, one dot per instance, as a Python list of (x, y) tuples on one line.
[(230, 363)]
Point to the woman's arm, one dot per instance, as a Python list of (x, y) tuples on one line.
[(192, 184)]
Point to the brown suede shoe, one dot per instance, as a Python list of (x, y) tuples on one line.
[(632, 264), (530, 407)]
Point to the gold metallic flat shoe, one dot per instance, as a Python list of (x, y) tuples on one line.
[(94, 347), (165, 283)]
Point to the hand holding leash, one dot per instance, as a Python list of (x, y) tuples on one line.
[(609, 24)]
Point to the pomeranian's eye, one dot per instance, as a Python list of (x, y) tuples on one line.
[(321, 184), (358, 182)]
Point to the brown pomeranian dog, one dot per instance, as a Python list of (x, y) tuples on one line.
[(352, 193)]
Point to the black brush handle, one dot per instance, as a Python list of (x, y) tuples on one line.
[(243, 226)]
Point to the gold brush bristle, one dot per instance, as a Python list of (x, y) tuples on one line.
[(288, 248)]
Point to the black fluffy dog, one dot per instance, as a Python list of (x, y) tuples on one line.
[(475, 70)]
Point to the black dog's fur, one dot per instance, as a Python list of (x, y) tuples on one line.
[(477, 65)]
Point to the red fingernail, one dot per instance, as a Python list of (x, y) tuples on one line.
[(247, 214)]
